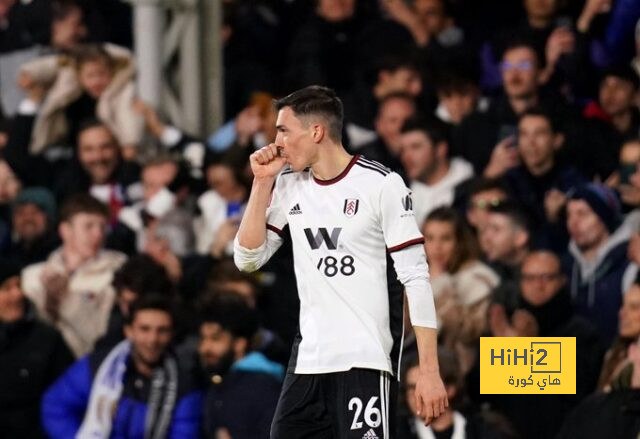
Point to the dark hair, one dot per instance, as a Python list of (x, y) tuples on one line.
[(515, 214), (624, 72), (450, 81), (153, 301), (466, 248), (433, 128), (393, 63), (232, 313), (92, 53), (396, 95), (542, 112), (226, 271), (82, 203), (520, 42), (480, 185), (93, 122), (142, 275), (316, 100), (60, 9)]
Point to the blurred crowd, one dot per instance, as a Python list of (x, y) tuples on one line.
[(516, 124)]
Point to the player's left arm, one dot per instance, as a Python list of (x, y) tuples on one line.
[(405, 245)]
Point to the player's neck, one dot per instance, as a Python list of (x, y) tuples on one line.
[(332, 160)]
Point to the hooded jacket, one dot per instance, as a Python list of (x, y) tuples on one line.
[(596, 286)]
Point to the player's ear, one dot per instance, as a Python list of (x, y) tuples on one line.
[(318, 132)]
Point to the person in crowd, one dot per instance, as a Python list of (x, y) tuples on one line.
[(394, 110), (72, 288), (97, 167), (393, 74), (138, 277), (505, 241), (222, 205), (453, 423), (616, 105), (462, 284), (612, 413), (161, 221), (33, 236), (433, 175), (135, 389), (597, 258), (483, 194), (626, 179), (545, 310), (542, 180), (32, 356), (459, 95), (615, 370), (97, 81), (243, 385)]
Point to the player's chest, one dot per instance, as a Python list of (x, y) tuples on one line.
[(329, 217)]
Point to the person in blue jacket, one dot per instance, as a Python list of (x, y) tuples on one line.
[(135, 390)]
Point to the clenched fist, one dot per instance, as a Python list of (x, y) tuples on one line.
[(267, 162)]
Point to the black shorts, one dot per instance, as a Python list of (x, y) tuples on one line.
[(357, 404)]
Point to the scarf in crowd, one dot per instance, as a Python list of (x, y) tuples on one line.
[(106, 391)]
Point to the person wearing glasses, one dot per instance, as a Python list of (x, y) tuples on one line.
[(545, 310)]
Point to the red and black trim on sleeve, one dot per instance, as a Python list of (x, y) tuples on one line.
[(404, 245), (274, 229)]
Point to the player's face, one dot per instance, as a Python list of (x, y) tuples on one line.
[(630, 313), (150, 334), (440, 242), (296, 140)]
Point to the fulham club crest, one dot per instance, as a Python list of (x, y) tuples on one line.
[(351, 207)]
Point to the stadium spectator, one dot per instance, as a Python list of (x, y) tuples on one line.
[(433, 175), (483, 194), (597, 256), (243, 384), (458, 96), (505, 241), (461, 283), (97, 81), (72, 288), (616, 372), (543, 178), (139, 277), (32, 356), (135, 389), (33, 236), (393, 112)]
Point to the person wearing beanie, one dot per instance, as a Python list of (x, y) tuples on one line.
[(33, 237), (32, 356), (597, 257)]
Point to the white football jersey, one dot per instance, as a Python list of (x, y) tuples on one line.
[(342, 231)]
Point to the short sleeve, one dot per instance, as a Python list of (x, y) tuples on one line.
[(276, 218), (396, 213)]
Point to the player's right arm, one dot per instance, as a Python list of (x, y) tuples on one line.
[(253, 246)]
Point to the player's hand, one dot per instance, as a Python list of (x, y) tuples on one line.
[(431, 396), (266, 163)]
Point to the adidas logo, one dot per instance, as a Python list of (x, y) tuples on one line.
[(295, 210), (370, 435)]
